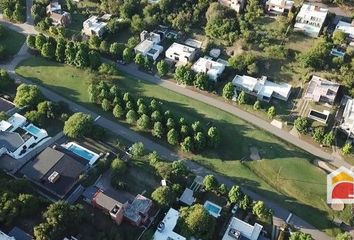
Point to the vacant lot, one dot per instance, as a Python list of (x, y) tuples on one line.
[(285, 173), (11, 41)]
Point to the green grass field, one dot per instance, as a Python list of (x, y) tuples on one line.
[(12, 41), (285, 173)]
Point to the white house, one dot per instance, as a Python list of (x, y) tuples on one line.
[(180, 53), (4, 236), (165, 230), (17, 138), (311, 19), (262, 88), (348, 118), (348, 28), (94, 26), (212, 68), (239, 229), (279, 6), (149, 45), (237, 5)]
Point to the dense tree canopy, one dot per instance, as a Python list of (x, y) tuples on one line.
[(78, 125)]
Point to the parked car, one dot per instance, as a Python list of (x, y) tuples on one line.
[(234, 209), (122, 62)]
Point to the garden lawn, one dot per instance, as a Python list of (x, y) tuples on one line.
[(285, 173), (12, 41)]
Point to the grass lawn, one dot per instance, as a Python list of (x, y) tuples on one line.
[(12, 41), (284, 174)]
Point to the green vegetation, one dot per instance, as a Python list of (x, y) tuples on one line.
[(285, 173), (10, 42)]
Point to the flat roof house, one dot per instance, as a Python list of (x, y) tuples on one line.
[(347, 124), (279, 6), (212, 68), (348, 28), (311, 19), (149, 45), (169, 223), (137, 212), (59, 16), (262, 88), (94, 26), (55, 170), (4, 236), (180, 53), (321, 90), (237, 5), (239, 229)]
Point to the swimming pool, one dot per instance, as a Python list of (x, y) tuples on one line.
[(33, 129), (212, 208), (82, 152)]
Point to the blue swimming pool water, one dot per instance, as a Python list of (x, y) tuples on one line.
[(33, 130), (81, 152), (212, 209)]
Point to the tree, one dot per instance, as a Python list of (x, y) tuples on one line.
[(235, 194), (162, 68), (210, 183), (245, 203), (82, 59), (241, 62), (339, 37), (116, 50), (257, 105), (259, 209), (163, 196), (5, 80), (300, 236), (118, 111), (213, 137), (172, 137), (104, 47), (48, 50), (143, 122), (158, 130), (187, 144), (317, 57), (271, 113), (128, 55), (94, 60), (201, 81), (222, 189), (179, 74), (48, 109), (94, 42), (3, 116), (153, 158), (118, 169), (328, 139), (31, 41), (228, 91), (184, 132), (40, 41), (60, 50), (241, 98), (196, 126), (347, 148), (318, 134), (142, 109), (106, 105), (139, 60), (253, 11), (170, 123), (301, 124), (156, 116), (27, 95), (178, 168), (78, 125), (197, 222), (199, 141), (344, 236), (70, 53), (131, 117)]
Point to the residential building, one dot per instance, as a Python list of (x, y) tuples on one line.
[(348, 28), (212, 68), (311, 19), (137, 212), (180, 53), (239, 229), (187, 197), (109, 205), (262, 88), (237, 5), (18, 138), (4, 236), (321, 90), (56, 170), (5, 105), (347, 124), (279, 6), (59, 16), (149, 45), (94, 26), (165, 229), (19, 234)]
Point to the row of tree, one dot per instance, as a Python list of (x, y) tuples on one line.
[(151, 118), (14, 10), (186, 76)]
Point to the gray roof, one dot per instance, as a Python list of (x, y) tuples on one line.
[(10, 140), (187, 197), (19, 234), (140, 206), (5, 105)]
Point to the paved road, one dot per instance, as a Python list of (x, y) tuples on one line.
[(278, 211), (248, 117)]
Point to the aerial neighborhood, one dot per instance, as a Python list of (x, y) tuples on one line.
[(176, 120)]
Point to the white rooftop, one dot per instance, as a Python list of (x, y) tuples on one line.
[(348, 28), (309, 11), (246, 230), (170, 221), (212, 68), (348, 117), (286, 3), (261, 86), (182, 49), (144, 46), (4, 236), (14, 122), (94, 23)]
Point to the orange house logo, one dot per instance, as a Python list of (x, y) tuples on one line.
[(340, 186)]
